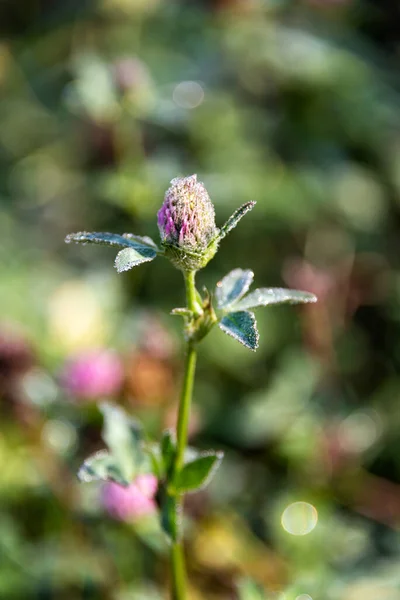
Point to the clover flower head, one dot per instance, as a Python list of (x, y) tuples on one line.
[(187, 216), (186, 221)]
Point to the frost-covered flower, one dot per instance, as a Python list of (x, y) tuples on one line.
[(134, 501), (186, 221), (93, 374)]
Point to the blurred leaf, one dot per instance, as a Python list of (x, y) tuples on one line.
[(196, 474), (269, 296), (92, 92), (168, 448), (138, 591), (268, 413), (101, 467), (123, 436), (155, 459), (249, 590), (233, 286), (235, 218), (170, 517), (242, 327)]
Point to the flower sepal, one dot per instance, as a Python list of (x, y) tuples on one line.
[(198, 325), (190, 260)]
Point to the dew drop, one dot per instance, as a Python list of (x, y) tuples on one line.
[(59, 435)]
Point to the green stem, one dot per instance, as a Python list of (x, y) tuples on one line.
[(184, 406), (178, 572), (191, 298), (178, 580)]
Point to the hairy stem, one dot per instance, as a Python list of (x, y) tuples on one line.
[(191, 298), (178, 580), (184, 405)]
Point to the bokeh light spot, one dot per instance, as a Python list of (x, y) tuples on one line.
[(188, 94), (59, 435), (39, 388), (358, 432), (299, 518), (76, 317), (304, 597)]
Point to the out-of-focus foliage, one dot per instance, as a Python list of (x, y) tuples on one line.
[(292, 104)]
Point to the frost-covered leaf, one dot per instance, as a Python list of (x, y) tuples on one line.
[(233, 286), (197, 473), (242, 327), (235, 218), (132, 257), (269, 296), (123, 436), (136, 249), (101, 467), (145, 239), (110, 239)]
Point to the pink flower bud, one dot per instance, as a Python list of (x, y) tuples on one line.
[(134, 501)]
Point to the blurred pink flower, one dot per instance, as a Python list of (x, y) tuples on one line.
[(93, 374), (136, 500), (155, 339), (303, 275), (131, 73)]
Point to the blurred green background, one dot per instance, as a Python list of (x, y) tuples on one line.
[(292, 104)]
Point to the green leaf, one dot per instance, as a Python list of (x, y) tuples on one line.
[(168, 451), (197, 473), (233, 286), (123, 436), (110, 239), (242, 327), (132, 257), (235, 218), (171, 516), (270, 296), (101, 467)]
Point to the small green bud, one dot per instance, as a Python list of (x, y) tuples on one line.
[(186, 222)]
